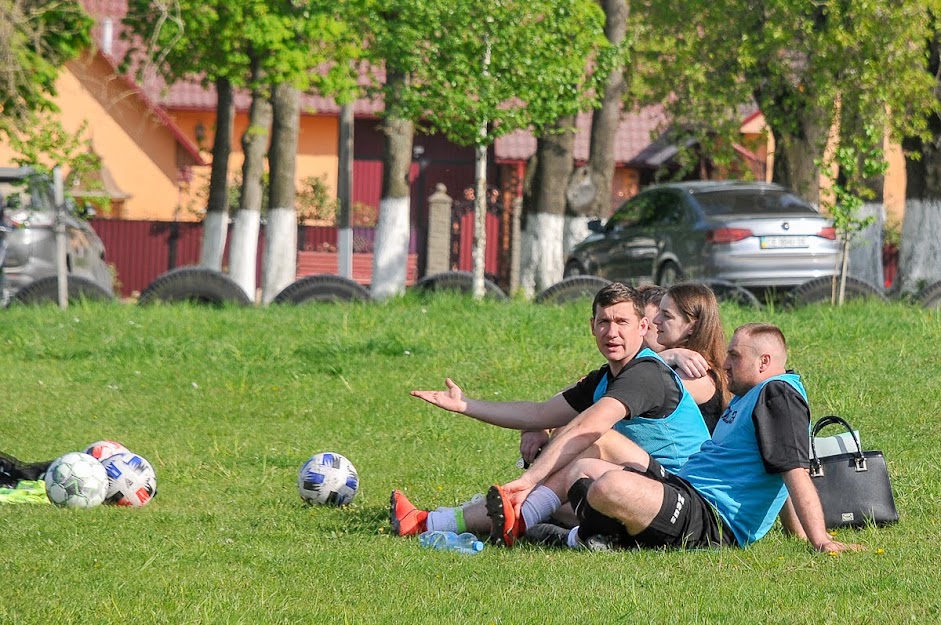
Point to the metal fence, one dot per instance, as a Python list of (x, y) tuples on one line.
[(140, 251)]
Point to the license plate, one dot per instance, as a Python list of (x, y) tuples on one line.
[(771, 243)]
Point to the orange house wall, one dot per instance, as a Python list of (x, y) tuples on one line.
[(139, 151), (316, 147)]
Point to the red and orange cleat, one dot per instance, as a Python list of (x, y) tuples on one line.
[(506, 526), (406, 519)]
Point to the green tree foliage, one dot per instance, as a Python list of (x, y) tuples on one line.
[(540, 54), (306, 44), (37, 37), (799, 61)]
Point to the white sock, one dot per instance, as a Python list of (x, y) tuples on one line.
[(572, 541), (443, 519), (539, 505)]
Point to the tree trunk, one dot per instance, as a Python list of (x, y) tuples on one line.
[(391, 243), (920, 247), (216, 222), (541, 262), (243, 252), (480, 220), (796, 155), (279, 267), (345, 193), (606, 119)]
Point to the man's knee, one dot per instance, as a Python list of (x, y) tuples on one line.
[(604, 490)]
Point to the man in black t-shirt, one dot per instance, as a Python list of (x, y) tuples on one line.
[(649, 405)]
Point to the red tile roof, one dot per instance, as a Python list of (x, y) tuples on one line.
[(634, 133)]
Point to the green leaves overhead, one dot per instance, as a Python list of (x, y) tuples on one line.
[(799, 61), (37, 37), (306, 44), (506, 64)]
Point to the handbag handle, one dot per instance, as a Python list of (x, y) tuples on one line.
[(833, 420)]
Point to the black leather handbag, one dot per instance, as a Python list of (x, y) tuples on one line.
[(854, 487)]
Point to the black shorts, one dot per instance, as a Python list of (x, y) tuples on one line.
[(685, 520)]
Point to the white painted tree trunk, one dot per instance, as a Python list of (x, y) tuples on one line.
[(480, 219), (243, 251), (390, 249), (920, 249), (215, 228), (541, 252), (865, 260), (576, 230), (280, 264)]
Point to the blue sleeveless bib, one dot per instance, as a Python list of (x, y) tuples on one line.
[(671, 440)]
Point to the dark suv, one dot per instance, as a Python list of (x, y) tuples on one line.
[(27, 203)]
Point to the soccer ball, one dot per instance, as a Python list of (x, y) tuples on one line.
[(105, 449), (328, 478), (131, 480), (76, 480)]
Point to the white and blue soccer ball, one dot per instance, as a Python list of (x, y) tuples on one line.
[(105, 449), (76, 480), (132, 480), (328, 478)]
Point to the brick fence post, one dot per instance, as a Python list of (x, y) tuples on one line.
[(439, 231)]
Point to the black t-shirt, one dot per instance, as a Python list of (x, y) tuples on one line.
[(782, 422), (645, 386)]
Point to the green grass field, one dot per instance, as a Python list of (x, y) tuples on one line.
[(227, 404)]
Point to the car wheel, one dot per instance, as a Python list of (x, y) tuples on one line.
[(46, 291), (819, 290), (571, 289), (572, 269), (669, 274), (730, 292), (196, 285), (460, 281), (930, 296), (322, 288)]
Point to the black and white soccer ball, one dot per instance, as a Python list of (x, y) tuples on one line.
[(76, 480), (105, 449), (132, 480), (328, 478)]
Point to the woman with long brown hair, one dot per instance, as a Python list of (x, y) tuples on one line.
[(689, 319)]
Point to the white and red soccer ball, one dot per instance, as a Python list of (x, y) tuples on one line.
[(132, 480), (105, 449)]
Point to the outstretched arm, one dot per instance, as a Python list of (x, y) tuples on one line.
[(809, 512), (515, 415)]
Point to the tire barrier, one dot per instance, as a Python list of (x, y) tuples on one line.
[(571, 289), (818, 290), (322, 287), (726, 291), (196, 285), (46, 291), (930, 296), (460, 281)]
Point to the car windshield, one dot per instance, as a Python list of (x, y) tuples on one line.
[(750, 201), (33, 193)]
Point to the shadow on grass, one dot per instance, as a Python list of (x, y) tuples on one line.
[(353, 519)]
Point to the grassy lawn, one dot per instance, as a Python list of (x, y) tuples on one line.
[(227, 405)]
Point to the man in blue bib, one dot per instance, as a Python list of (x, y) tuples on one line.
[(727, 494), (635, 397)]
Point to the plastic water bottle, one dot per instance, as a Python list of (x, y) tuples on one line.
[(450, 541)]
